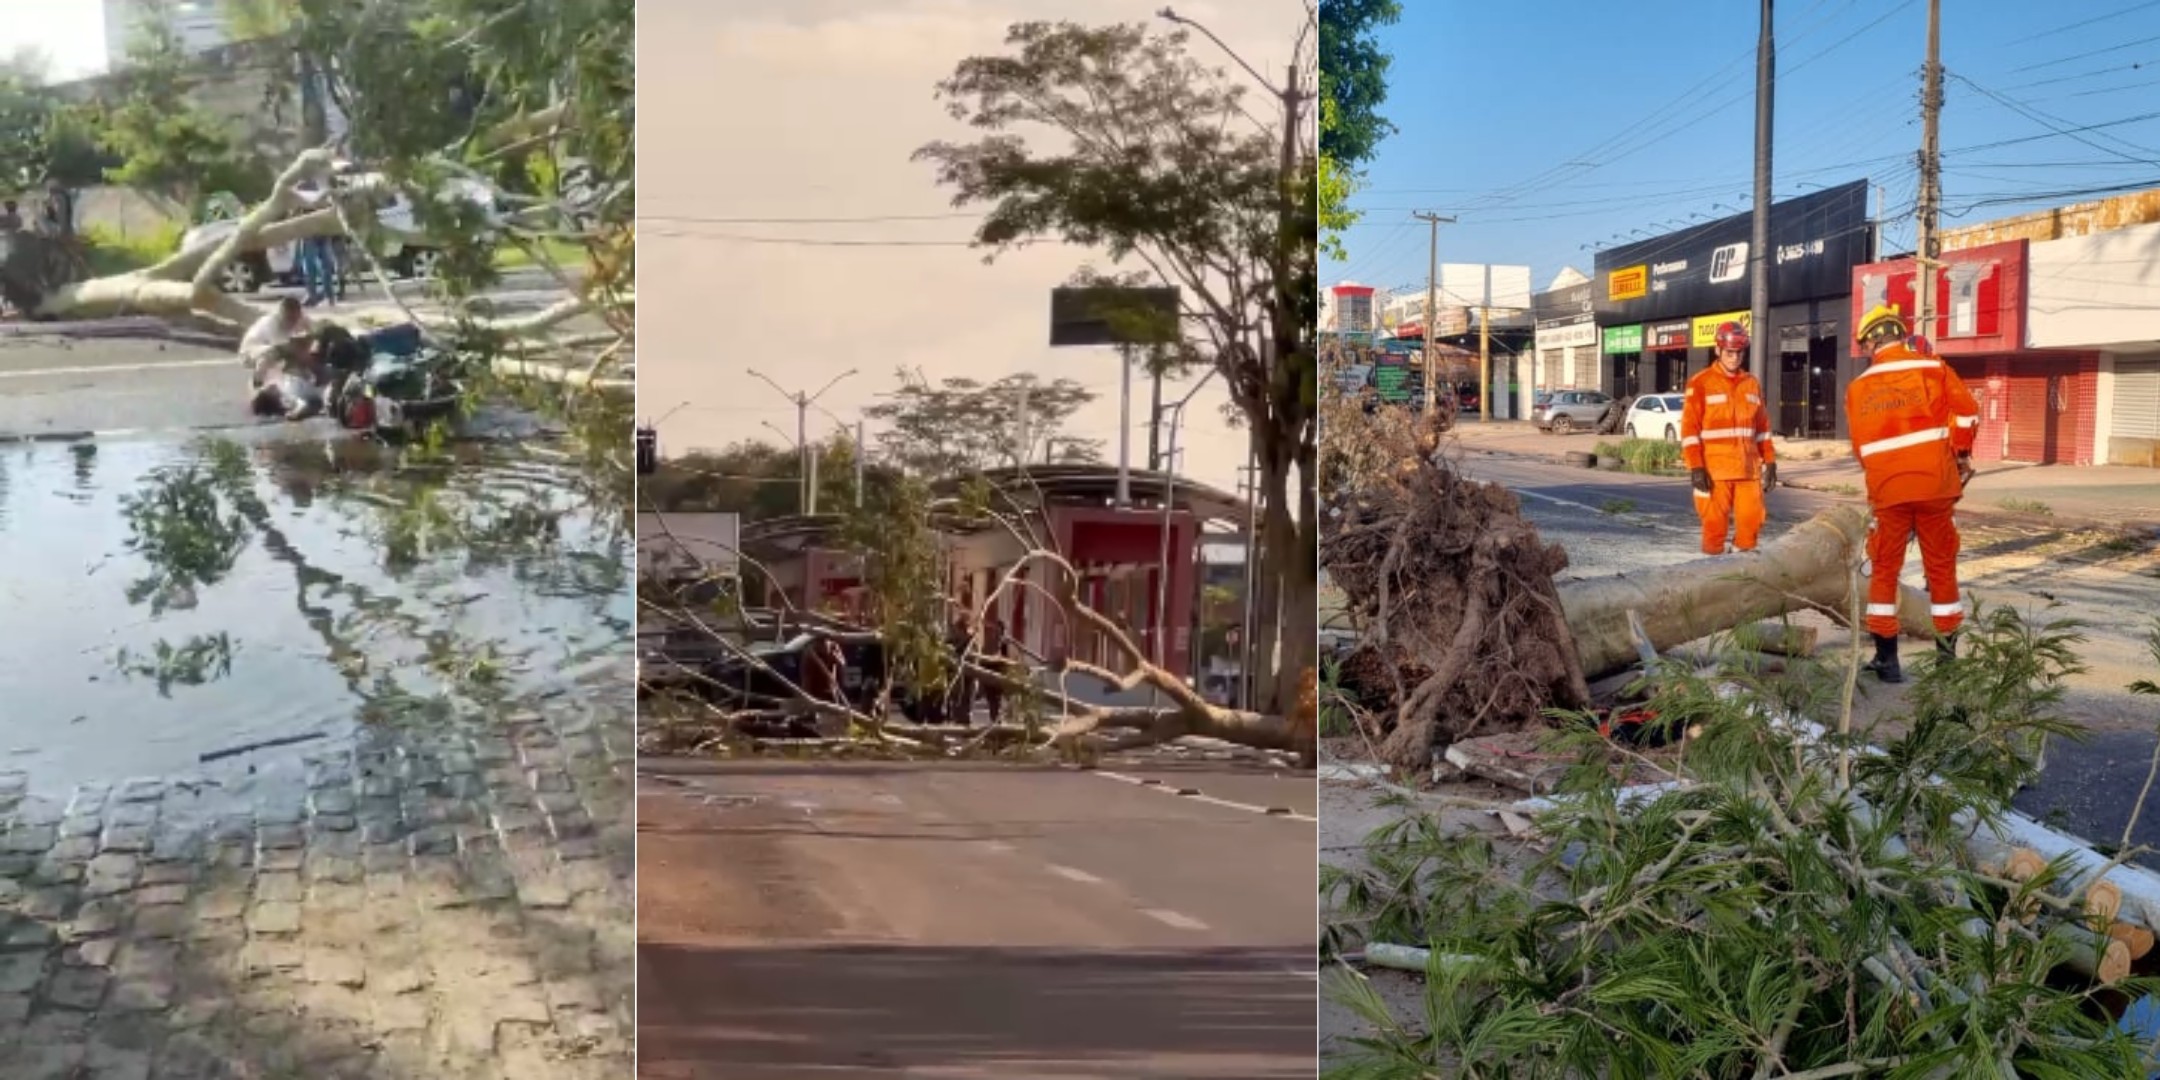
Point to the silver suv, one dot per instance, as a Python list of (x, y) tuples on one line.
[(1572, 409)]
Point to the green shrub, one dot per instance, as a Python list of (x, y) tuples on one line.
[(112, 251)]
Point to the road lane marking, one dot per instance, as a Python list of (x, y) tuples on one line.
[(1195, 795), (1638, 518), (1070, 874), (232, 362), (998, 847), (1173, 918)]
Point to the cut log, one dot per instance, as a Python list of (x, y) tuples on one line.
[(1512, 759), (1777, 638), (2096, 956), (1808, 567), (2135, 938)]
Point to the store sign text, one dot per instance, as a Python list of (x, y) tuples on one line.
[(1629, 283), (1795, 252)]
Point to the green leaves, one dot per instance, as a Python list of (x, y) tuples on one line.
[(1758, 922)]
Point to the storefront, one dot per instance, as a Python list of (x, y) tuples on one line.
[(2037, 405), (1675, 290), (1564, 345), (1667, 346), (1622, 349), (2090, 303)]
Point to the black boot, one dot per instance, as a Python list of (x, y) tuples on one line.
[(1885, 665), (1946, 645)]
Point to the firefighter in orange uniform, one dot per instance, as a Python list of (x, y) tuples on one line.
[(1725, 439), (1913, 424)]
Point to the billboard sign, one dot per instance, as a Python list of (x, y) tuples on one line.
[(1815, 242), (1112, 315), (1979, 298), (1623, 339)]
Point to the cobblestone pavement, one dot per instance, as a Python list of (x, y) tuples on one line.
[(406, 906)]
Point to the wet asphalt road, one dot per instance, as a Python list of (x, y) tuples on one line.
[(57, 384), (953, 920)]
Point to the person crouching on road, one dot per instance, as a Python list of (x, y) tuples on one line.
[(1725, 440), (1913, 425)]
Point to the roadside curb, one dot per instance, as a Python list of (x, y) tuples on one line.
[(8, 438)]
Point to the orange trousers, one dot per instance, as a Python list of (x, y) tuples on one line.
[(1893, 529), (1735, 502)]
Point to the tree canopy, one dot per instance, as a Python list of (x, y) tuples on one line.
[(960, 425), (1353, 84), (1155, 157)]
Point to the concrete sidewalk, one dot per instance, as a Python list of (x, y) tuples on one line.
[(2114, 495)]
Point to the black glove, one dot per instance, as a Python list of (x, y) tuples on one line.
[(1701, 478), (1769, 475), (1965, 470)]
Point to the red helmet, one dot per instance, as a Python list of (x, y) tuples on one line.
[(1732, 335)]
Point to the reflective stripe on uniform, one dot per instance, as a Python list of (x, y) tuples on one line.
[(1754, 400), (1882, 609), (1900, 442), (1702, 494), (1691, 441), (1714, 399), (1898, 365), (1941, 610), (1965, 421), (1729, 433)]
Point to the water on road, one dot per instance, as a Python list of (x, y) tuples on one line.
[(163, 601)]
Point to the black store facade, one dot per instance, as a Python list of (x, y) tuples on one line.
[(1660, 301)]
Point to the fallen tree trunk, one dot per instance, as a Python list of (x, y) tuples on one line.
[(1809, 567)]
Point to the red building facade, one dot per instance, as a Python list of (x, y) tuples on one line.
[(2036, 405)]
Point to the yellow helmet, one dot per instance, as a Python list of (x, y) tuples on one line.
[(1880, 323)]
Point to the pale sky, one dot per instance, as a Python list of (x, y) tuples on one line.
[(812, 110), (70, 32)]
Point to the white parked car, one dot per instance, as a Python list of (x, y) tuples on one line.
[(404, 249), (1655, 416)]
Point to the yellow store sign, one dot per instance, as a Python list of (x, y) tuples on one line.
[(1706, 327), (1629, 283)]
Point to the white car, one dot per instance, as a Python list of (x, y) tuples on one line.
[(404, 249), (1655, 416)]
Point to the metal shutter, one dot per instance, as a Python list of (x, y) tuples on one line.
[(2030, 411), (2137, 399)]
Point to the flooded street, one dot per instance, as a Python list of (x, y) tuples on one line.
[(164, 601)]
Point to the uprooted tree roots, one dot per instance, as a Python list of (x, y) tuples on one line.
[(1462, 632)]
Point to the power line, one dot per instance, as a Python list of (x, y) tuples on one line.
[(803, 241), (693, 220), (2053, 123)]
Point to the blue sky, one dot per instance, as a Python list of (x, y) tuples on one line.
[(1545, 127)]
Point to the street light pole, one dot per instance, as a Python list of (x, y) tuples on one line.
[(804, 464), (1169, 474)]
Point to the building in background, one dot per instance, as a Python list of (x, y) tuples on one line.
[(1471, 296), (198, 24), (1564, 342), (2050, 318), (1661, 300), (1347, 312)]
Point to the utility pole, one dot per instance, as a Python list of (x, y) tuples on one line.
[(806, 455), (1759, 249), (1432, 309), (862, 453), (1931, 101)]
